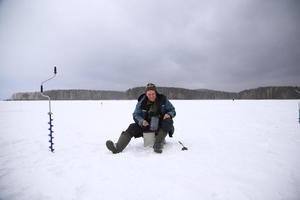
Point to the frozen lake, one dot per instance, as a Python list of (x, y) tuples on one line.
[(237, 150)]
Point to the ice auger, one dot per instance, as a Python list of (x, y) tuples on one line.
[(49, 113)]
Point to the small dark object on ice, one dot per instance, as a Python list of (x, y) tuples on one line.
[(183, 147)]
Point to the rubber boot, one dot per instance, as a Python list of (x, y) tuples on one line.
[(123, 141), (159, 141)]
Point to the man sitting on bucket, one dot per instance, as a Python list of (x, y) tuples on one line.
[(153, 113)]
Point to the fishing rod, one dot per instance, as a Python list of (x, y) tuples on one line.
[(183, 147)]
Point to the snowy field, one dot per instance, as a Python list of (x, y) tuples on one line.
[(243, 150)]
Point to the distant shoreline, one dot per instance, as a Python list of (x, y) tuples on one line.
[(282, 92)]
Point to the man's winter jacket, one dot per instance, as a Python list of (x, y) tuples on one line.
[(141, 111)]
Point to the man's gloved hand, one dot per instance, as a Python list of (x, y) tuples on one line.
[(145, 123), (166, 116)]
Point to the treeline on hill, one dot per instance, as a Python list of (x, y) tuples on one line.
[(170, 92)]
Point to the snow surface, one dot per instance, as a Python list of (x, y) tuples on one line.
[(237, 150)]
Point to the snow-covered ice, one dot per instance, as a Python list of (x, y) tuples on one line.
[(237, 150)]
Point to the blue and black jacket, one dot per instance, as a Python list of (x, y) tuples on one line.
[(141, 110)]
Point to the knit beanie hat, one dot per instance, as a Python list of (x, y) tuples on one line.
[(150, 86)]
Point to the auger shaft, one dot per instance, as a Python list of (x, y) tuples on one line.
[(50, 112), (51, 131)]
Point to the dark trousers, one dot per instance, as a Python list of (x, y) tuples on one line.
[(137, 131)]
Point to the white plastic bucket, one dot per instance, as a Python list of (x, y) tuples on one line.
[(149, 139)]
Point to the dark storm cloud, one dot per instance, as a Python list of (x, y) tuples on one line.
[(228, 45)]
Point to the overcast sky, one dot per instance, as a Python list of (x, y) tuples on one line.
[(116, 44)]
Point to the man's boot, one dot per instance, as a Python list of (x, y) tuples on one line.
[(159, 141), (123, 141)]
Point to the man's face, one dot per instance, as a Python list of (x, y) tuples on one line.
[(151, 95)]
